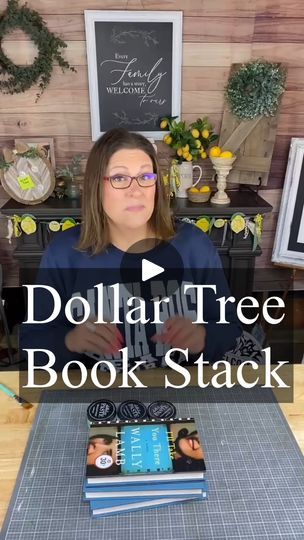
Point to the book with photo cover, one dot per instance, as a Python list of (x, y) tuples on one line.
[(144, 451)]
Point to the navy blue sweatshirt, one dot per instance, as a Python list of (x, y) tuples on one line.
[(76, 273)]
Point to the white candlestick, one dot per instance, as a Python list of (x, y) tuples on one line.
[(222, 166)]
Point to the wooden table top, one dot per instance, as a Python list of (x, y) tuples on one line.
[(15, 425)]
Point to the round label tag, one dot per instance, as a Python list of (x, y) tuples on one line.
[(161, 409), (101, 410), (104, 462), (132, 410)]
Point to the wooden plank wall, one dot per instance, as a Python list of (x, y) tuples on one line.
[(215, 35)]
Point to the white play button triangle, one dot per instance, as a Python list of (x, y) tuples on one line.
[(158, 268), (150, 270)]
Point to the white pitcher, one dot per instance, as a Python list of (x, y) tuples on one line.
[(186, 178)]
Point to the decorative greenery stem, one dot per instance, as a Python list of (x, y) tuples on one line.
[(16, 79)]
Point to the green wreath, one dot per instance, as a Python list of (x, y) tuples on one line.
[(255, 89), (16, 79)]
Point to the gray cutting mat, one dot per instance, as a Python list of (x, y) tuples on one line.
[(254, 467)]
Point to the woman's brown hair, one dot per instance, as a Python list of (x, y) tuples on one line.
[(94, 234)]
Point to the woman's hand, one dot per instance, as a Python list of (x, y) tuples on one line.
[(182, 333), (94, 338)]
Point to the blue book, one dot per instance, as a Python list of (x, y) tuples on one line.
[(138, 485), (105, 503), (129, 452), (179, 489), (100, 510), (122, 502)]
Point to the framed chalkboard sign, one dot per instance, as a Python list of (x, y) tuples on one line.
[(134, 68), (289, 240)]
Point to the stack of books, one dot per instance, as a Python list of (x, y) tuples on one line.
[(132, 465)]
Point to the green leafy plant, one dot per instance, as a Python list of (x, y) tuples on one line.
[(15, 78), (190, 142), (72, 170), (255, 89)]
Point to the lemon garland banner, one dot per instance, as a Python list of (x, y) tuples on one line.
[(27, 223), (238, 222)]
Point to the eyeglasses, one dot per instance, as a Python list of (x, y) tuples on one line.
[(123, 181)]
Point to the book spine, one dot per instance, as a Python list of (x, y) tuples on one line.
[(145, 421)]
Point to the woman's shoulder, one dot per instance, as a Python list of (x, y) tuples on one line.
[(189, 232), (195, 246), (66, 239), (62, 248), (63, 252)]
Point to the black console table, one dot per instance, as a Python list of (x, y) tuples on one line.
[(236, 253)]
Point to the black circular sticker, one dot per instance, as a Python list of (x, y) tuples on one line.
[(101, 410), (161, 409), (132, 410)]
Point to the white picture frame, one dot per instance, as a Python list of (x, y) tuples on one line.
[(288, 249), (145, 48)]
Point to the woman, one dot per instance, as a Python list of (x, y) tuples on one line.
[(123, 205)]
